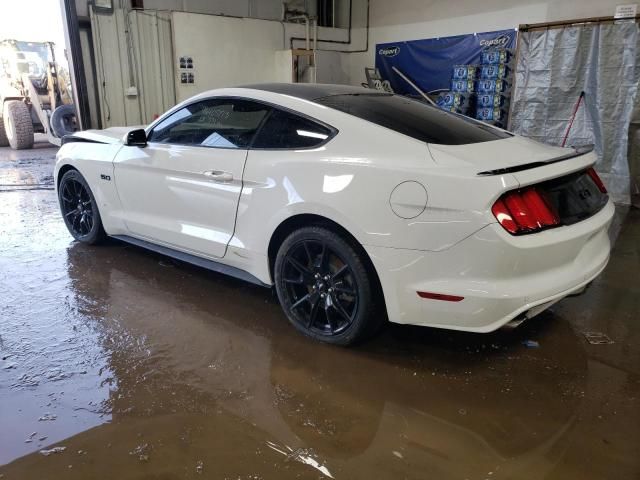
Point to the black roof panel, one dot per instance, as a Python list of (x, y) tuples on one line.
[(311, 91)]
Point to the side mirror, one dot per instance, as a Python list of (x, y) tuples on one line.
[(137, 138)]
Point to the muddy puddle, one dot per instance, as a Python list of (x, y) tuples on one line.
[(119, 363)]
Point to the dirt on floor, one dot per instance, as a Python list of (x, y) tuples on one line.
[(119, 363)]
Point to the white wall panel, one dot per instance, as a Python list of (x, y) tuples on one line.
[(235, 51), (331, 67), (225, 51)]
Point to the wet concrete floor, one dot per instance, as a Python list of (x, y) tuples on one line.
[(119, 363)]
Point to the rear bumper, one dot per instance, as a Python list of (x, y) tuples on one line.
[(499, 275)]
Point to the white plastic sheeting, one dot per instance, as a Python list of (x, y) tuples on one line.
[(554, 66)]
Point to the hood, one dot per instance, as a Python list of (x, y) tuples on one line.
[(108, 135)]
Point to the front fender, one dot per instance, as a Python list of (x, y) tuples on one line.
[(95, 164)]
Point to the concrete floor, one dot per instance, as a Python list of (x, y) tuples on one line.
[(141, 367)]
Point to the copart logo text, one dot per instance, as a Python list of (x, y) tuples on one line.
[(389, 51), (500, 41)]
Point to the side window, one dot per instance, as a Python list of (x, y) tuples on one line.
[(287, 130), (221, 123)]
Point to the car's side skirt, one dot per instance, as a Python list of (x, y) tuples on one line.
[(194, 260)]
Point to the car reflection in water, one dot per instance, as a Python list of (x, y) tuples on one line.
[(208, 377)]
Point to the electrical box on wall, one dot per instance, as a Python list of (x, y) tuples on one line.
[(186, 73)]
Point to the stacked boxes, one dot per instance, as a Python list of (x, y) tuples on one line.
[(494, 87), (457, 102), (461, 97), (481, 91)]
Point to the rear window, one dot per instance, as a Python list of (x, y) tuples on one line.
[(414, 119)]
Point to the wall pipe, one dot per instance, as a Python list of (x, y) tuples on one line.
[(315, 33), (343, 42), (305, 17)]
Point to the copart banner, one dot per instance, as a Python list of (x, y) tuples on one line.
[(429, 63)]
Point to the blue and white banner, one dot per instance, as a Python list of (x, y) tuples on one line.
[(429, 63)]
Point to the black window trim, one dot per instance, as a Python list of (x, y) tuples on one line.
[(333, 131)]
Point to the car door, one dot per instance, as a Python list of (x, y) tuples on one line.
[(182, 189)]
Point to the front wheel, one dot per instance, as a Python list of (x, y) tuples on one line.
[(18, 124), (324, 287), (4, 141), (80, 209)]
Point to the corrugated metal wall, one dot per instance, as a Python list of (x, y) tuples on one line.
[(134, 65)]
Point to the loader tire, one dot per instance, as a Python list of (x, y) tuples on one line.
[(18, 124), (4, 141)]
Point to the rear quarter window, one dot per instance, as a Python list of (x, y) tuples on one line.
[(414, 119), (285, 130)]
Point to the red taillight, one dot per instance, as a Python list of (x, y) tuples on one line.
[(524, 211), (597, 180)]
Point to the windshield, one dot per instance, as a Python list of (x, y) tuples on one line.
[(41, 50), (17, 58), (414, 119)]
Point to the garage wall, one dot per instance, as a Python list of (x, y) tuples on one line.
[(269, 9), (233, 51), (265, 9), (134, 65), (225, 50), (415, 19)]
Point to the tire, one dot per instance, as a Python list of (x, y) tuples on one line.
[(18, 124), (325, 288), (63, 120), (79, 209), (4, 141)]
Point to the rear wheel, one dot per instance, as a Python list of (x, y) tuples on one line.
[(324, 287), (79, 208), (18, 124)]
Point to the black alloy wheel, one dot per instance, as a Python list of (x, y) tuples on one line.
[(324, 286), (79, 209)]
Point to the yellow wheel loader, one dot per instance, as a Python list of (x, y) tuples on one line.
[(35, 95)]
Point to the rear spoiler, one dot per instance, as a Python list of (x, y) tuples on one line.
[(578, 152)]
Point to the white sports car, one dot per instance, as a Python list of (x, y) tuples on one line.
[(357, 205)]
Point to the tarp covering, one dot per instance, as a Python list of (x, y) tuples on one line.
[(429, 63), (554, 66)]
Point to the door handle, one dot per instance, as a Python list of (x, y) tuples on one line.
[(218, 176)]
